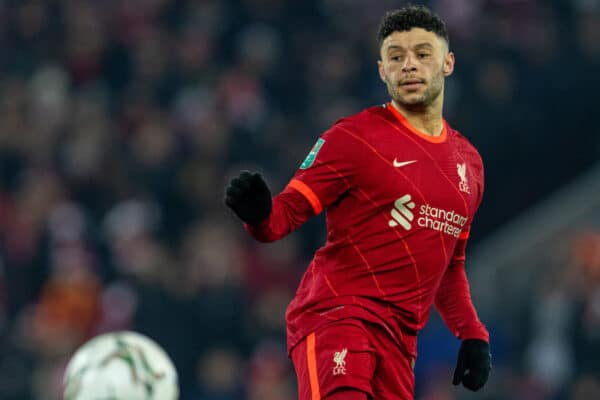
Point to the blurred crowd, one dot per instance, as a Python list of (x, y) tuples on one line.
[(121, 122)]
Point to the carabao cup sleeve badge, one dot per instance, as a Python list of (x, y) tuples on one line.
[(310, 158)]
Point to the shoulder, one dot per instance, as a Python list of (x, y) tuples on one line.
[(471, 156), (465, 146), (362, 119), (347, 136), (357, 128)]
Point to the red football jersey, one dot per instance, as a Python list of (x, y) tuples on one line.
[(399, 206)]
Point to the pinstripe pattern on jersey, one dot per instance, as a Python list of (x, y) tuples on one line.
[(434, 160), (400, 237)]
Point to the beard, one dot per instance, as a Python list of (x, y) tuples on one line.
[(430, 95)]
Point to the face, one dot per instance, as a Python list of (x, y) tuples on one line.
[(413, 66)]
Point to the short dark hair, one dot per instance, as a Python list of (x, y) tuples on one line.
[(408, 17)]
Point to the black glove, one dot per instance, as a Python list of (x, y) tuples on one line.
[(249, 197), (473, 365)]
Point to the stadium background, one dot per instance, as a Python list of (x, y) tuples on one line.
[(121, 122)]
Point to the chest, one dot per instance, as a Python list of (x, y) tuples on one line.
[(432, 176)]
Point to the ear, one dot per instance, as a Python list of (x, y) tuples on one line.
[(381, 70), (448, 66)]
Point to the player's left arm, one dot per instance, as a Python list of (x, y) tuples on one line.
[(453, 298), (453, 301)]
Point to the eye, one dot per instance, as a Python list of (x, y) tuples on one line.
[(423, 55)]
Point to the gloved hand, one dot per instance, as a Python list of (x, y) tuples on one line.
[(249, 197), (473, 365)]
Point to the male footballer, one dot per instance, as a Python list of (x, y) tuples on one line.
[(400, 189)]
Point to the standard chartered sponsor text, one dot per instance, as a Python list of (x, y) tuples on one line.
[(448, 222)]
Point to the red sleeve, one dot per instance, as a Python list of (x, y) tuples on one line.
[(453, 299), (322, 178), (328, 171), (290, 210)]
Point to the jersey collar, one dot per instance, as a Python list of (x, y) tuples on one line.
[(433, 139)]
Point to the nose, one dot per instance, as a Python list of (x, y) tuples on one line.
[(409, 64)]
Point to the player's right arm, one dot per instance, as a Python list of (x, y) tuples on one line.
[(322, 179), (264, 218)]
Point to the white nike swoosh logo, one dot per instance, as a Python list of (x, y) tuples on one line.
[(398, 164)]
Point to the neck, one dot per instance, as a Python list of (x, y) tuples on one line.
[(427, 119)]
